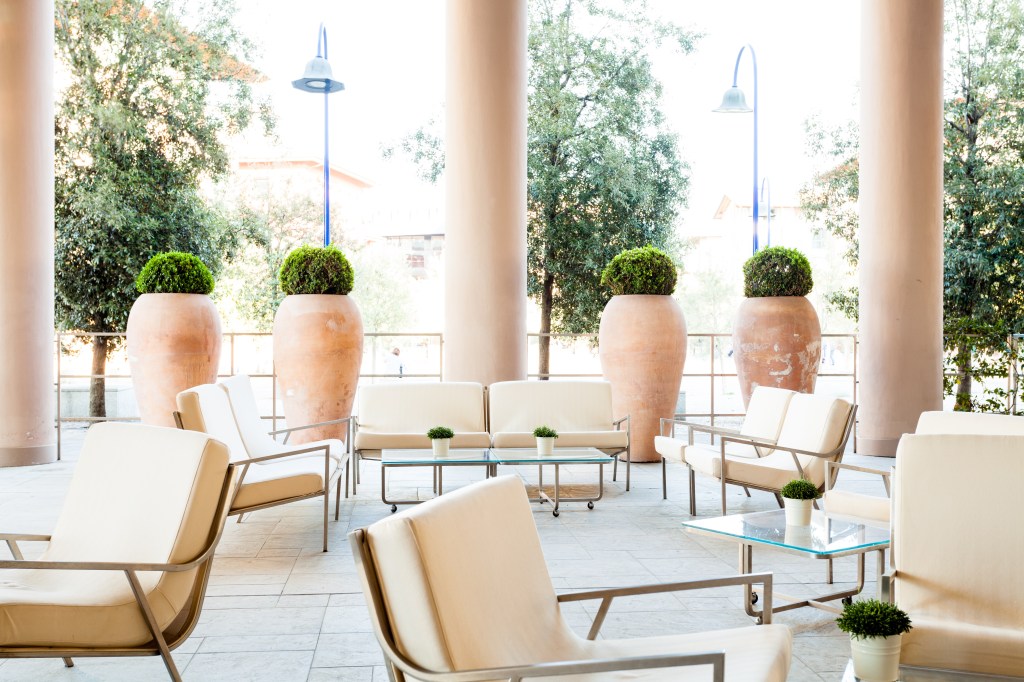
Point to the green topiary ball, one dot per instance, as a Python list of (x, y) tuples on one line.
[(777, 271), (645, 270), (316, 270), (174, 273)]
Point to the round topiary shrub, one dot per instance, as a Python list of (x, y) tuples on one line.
[(174, 273), (777, 271), (873, 618), (800, 489), (645, 270), (316, 270)]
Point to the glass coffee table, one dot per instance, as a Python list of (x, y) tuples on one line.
[(424, 458), (560, 456), (824, 538)]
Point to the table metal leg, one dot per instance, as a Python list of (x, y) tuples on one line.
[(879, 574), (555, 511), (440, 481)]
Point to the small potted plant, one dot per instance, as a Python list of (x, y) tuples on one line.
[(798, 495), (440, 440), (173, 332), (545, 436), (777, 336), (642, 343), (876, 631)]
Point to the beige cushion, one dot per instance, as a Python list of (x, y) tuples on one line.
[(139, 494), (958, 557), (773, 471), (569, 406), (206, 409), (276, 480), (615, 441), (368, 441), (458, 614), (409, 407), (765, 414), (815, 423), (857, 505), (970, 422)]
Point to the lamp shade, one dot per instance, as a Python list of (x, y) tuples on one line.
[(318, 77), (733, 102)]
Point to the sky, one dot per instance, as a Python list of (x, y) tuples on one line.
[(391, 54)]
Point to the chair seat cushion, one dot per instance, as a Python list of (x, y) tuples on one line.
[(368, 440), (603, 440), (773, 471), (857, 505), (672, 448), (752, 654), (956, 645), (278, 480)]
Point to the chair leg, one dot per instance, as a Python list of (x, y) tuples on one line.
[(154, 629), (629, 464), (778, 498), (68, 663), (664, 480), (327, 510), (693, 491), (724, 512), (239, 519), (615, 468), (337, 496), (746, 490), (828, 572)]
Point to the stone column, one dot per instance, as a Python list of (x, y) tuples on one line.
[(900, 361), (26, 233), (485, 239)]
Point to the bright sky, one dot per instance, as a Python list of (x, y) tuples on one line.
[(390, 55)]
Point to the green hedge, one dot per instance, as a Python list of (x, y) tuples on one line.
[(316, 270), (777, 271), (645, 270), (174, 273)]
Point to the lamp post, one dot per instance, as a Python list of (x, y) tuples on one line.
[(734, 102), (318, 77)]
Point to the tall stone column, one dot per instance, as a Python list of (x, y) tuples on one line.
[(900, 360), (26, 233), (485, 172)]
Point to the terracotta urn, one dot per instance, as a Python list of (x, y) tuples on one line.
[(318, 350), (642, 348), (173, 344), (776, 342)]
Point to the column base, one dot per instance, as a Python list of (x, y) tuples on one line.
[(28, 456), (877, 447)]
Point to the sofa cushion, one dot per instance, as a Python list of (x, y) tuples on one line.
[(206, 409), (409, 407), (970, 422), (773, 471), (142, 494), (615, 441), (672, 448), (955, 645), (400, 441), (815, 423), (276, 480), (765, 414), (857, 505), (565, 406)]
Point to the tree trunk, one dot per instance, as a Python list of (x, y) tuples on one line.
[(963, 374), (544, 345), (98, 384)]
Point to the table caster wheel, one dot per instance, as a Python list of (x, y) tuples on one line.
[(847, 601), (759, 621), (754, 597), (590, 505), (394, 508), (555, 513)]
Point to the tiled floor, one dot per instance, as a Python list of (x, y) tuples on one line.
[(279, 609)]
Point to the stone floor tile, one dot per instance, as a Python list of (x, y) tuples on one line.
[(239, 643), (260, 666), (276, 621), (352, 648)]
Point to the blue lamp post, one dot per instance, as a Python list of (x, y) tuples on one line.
[(734, 102), (319, 77)]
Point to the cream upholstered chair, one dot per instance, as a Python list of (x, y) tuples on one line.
[(580, 411), (763, 421), (289, 475), (958, 551), (815, 429), (125, 571), (451, 598)]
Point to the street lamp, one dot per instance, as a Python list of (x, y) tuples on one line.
[(319, 77), (734, 102)]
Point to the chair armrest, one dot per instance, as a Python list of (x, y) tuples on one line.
[(326, 449), (703, 428), (618, 422), (101, 565), (22, 537), (607, 595), (311, 426), (854, 467), (887, 579), (750, 440)]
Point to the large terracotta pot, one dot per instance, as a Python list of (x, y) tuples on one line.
[(173, 344), (318, 349), (777, 342), (643, 348)]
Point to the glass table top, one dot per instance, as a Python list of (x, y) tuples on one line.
[(559, 456), (824, 536), (426, 456)]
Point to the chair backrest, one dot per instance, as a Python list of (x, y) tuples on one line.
[(956, 543), (766, 412), (251, 428), (970, 422), (143, 494), (464, 581), (815, 423), (206, 409), (414, 407), (521, 406)]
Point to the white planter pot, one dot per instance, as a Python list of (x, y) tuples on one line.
[(798, 512), (441, 446), (876, 659), (545, 446)]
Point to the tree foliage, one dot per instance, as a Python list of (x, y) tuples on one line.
[(137, 129)]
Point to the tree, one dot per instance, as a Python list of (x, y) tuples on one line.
[(137, 129), (603, 173)]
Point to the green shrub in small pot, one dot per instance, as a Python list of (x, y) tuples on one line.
[(318, 341), (174, 333), (876, 631), (440, 440), (642, 344), (777, 336), (798, 495), (545, 439)]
